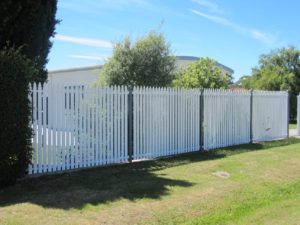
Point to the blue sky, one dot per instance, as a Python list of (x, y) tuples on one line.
[(233, 32)]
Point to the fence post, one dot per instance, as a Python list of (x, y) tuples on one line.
[(298, 114), (251, 116), (201, 119), (130, 124), (288, 114)]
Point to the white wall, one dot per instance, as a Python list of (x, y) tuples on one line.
[(80, 76), (88, 75)]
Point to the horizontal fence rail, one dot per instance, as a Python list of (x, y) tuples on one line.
[(81, 126)]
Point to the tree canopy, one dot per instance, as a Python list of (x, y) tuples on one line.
[(29, 24), (278, 70), (146, 62), (203, 73)]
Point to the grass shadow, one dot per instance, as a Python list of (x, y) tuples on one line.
[(101, 185), (91, 186)]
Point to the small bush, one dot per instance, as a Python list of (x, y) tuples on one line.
[(16, 71), (146, 62)]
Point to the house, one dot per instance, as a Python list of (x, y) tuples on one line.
[(88, 75)]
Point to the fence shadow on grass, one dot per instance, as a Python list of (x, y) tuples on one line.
[(92, 186), (131, 181)]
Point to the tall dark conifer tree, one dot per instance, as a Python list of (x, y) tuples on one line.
[(25, 30), (30, 24)]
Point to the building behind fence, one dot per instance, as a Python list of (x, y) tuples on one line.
[(79, 126)]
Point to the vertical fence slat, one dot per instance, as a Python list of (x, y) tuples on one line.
[(39, 108), (54, 128), (80, 127), (35, 125), (50, 110), (59, 128), (76, 125)]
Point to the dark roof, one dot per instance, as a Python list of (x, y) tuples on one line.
[(193, 58), (76, 69)]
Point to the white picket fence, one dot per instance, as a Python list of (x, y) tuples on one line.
[(226, 118), (79, 126), (166, 122), (270, 115)]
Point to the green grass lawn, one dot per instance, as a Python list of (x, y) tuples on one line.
[(293, 126), (249, 184)]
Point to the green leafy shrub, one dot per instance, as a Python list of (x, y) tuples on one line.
[(16, 71), (146, 62), (203, 73), (278, 70)]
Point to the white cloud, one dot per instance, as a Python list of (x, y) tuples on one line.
[(254, 33), (264, 37), (220, 20), (89, 57), (84, 41), (211, 6)]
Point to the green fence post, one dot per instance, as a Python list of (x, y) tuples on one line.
[(288, 114), (130, 124), (202, 120), (251, 116)]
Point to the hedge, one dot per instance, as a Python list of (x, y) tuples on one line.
[(16, 71)]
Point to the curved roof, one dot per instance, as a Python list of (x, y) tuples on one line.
[(183, 58), (76, 69), (194, 58)]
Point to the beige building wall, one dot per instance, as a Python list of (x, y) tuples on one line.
[(76, 76), (88, 75)]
